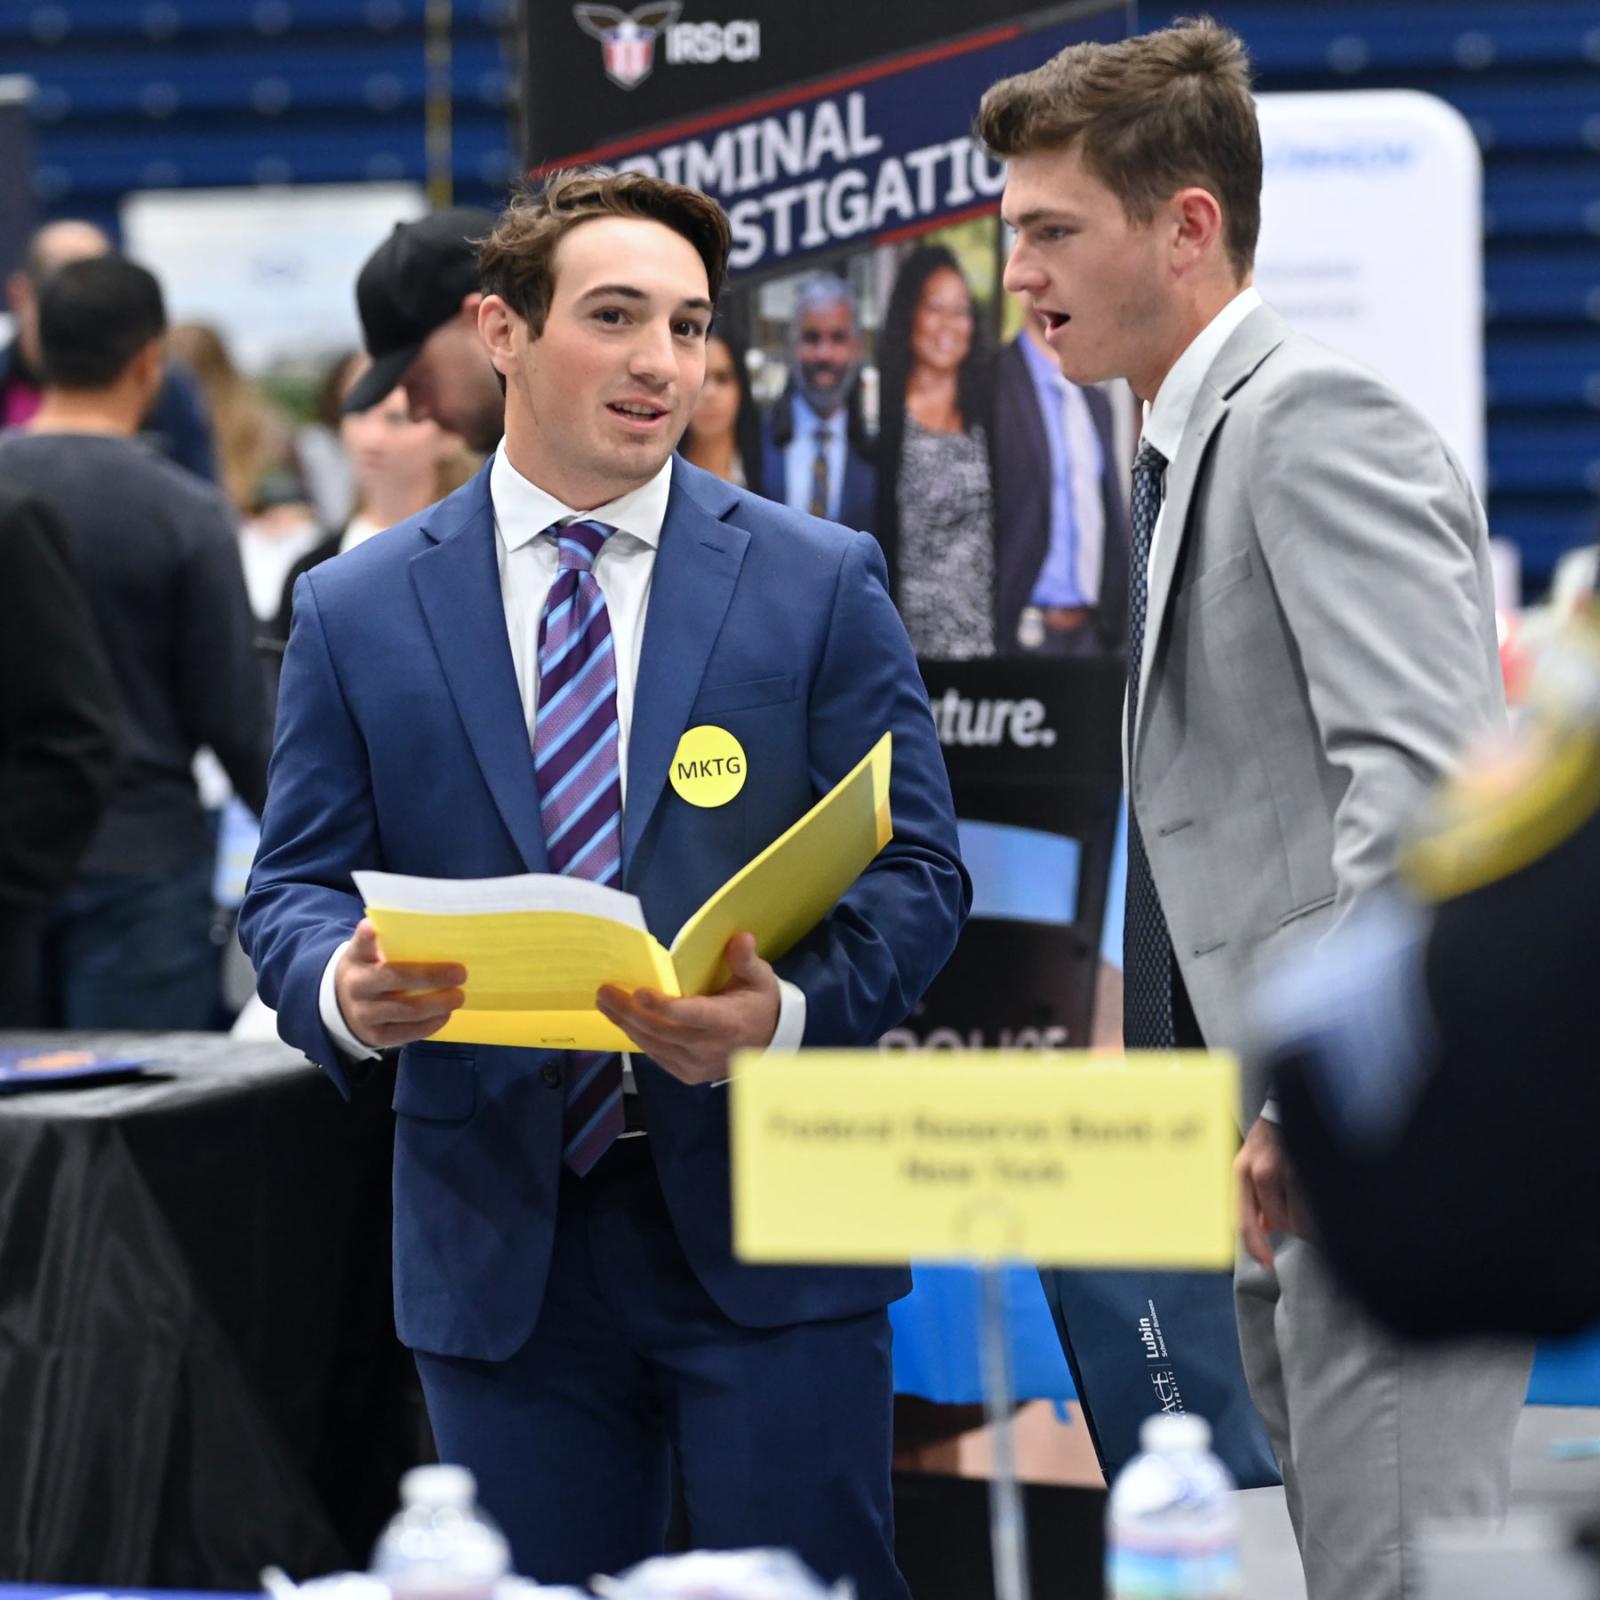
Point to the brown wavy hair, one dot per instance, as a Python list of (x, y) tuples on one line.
[(517, 260), (1149, 115)]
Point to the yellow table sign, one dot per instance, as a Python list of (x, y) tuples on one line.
[(1064, 1159)]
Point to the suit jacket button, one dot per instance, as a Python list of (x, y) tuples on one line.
[(551, 1074)]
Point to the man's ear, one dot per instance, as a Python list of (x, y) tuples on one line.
[(150, 365), (18, 291), (1196, 227), (497, 327)]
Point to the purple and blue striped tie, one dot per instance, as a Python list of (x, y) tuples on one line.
[(576, 765)]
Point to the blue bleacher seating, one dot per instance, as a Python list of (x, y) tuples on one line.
[(134, 93), (1524, 74)]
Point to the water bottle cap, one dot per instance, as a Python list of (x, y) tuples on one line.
[(438, 1486), (1174, 1431)]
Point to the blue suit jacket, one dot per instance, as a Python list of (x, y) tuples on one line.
[(402, 745), (858, 495)]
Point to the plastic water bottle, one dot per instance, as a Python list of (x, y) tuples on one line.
[(1172, 1526), (439, 1545)]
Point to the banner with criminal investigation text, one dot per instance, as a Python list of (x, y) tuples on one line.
[(851, 158)]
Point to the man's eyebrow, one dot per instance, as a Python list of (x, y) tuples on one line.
[(1039, 214), (628, 291), (613, 291)]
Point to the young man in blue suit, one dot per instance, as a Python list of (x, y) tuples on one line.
[(497, 686)]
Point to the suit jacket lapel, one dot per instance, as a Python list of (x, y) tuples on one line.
[(1247, 347), (458, 586), (697, 566)]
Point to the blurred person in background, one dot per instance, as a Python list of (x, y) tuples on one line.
[(176, 422), (128, 942), (58, 718), (399, 466), (253, 437), (255, 447), (324, 463), (1434, 1057), (418, 297), (936, 496), (816, 453), (724, 433), (1060, 517)]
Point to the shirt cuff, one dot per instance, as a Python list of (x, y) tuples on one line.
[(333, 1017), (791, 1028), (1269, 1111)]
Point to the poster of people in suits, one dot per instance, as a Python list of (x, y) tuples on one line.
[(868, 367), (899, 390)]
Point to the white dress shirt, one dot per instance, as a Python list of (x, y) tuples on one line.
[(529, 558), (1167, 420)]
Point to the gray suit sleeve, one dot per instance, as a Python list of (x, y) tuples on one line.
[(1377, 550)]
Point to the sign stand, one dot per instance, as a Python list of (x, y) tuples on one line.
[(1008, 1529), (986, 1157)]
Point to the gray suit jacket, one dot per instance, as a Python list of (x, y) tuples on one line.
[(1320, 646)]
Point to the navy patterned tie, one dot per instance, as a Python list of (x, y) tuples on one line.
[(575, 761), (1147, 959)]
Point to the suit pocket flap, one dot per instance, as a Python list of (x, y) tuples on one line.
[(1321, 903), (440, 1088), (720, 698), (1224, 575)]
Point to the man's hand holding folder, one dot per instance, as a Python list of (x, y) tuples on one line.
[(392, 1003), (386, 1004), (696, 1036)]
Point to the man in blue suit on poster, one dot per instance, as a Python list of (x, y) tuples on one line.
[(497, 686)]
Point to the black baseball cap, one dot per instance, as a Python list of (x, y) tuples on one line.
[(413, 283)]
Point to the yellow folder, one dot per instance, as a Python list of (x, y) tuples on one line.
[(537, 947)]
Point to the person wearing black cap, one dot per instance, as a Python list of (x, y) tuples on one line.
[(418, 297)]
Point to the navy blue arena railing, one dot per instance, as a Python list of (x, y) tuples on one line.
[(205, 93)]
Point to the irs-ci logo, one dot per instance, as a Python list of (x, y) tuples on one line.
[(627, 38)]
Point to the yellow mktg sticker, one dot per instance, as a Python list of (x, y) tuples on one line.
[(708, 767)]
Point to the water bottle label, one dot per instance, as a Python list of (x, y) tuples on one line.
[(1168, 1575)]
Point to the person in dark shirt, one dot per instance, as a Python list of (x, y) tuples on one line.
[(58, 713), (127, 943), (176, 422)]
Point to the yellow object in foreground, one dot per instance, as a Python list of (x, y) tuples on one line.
[(1064, 1159), (538, 947)]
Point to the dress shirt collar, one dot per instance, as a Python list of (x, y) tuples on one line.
[(806, 421), (522, 510), (1167, 419)]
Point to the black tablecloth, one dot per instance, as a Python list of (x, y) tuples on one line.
[(198, 1367)]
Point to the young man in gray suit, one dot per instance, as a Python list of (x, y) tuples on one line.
[(1311, 644)]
